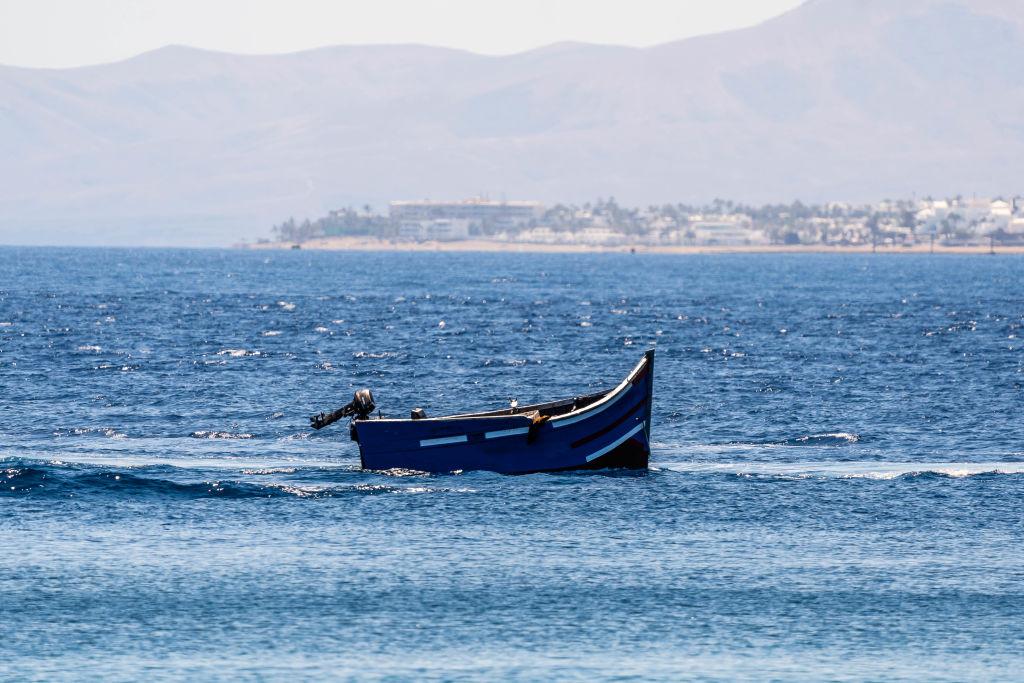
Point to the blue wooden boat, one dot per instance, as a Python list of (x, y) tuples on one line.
[(609, 429)]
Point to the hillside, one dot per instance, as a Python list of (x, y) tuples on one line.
[(839, 99)]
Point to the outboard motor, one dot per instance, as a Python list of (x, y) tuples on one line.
[(360, 408), (363, 400)]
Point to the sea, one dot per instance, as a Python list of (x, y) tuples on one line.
[(835, 490)]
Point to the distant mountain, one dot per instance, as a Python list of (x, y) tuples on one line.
[(839, 99)]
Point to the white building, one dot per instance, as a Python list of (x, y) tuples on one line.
[(442, 230), (1001, 216), (599, 236), (931, 214), (543, 235), (974, 210), (731, 230), (976, 217), (495, 215)]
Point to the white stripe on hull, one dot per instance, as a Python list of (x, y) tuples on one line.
[(590, 411), (615, 444)]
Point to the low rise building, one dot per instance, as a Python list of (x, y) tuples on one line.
[(542, 235), (728, 230), (482, 215), (599, 236), (1001, 216), (442, 230)]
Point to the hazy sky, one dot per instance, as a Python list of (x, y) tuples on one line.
[(56, 33)]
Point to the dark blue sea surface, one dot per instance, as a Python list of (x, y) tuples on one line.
[(835, 491)]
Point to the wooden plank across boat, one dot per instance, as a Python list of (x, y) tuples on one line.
[(610, 429)]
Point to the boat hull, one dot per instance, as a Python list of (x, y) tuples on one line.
[(610, 430)]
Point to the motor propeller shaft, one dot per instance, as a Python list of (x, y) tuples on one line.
[(361, 407)]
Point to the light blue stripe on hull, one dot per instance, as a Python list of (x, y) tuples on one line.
[(507, 432), (443, 441)]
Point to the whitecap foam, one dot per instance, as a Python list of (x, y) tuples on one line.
[(826, 438), (204, 434), (270, 470), (108, 432), (819, 439), (305, 491), (115, 366), (402, 472), (90, 347), (237, 353), (844, 470)]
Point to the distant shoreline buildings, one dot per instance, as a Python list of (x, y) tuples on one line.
[(450, 220), (954, 221)]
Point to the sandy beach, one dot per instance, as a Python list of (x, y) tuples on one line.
[(374, 244)]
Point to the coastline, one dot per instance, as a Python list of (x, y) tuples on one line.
[(374, 244)]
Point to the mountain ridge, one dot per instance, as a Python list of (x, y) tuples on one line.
[(835, 100)]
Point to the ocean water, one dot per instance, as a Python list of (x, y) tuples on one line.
[(835, 490)]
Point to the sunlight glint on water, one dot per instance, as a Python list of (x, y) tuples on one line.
[(840, 501)]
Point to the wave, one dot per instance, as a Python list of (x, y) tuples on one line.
[(823, 439), (830, 439), (86, 482), (118, 367), (847, 470), (372, 354), (15, 479), (205, 434), (298, 436), (238, 353), (270, 470), (62, 480), (108, 432), (403, 472)]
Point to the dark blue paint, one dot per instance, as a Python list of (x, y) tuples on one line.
[(835, 491), (605, 432)]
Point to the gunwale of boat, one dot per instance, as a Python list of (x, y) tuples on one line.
[(582, 405)]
